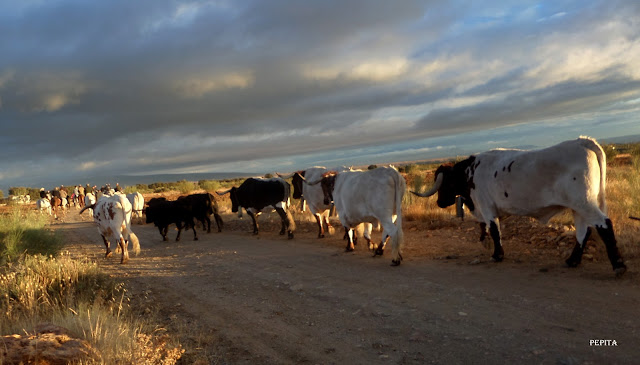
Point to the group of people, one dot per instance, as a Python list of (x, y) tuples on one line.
[(75, 195)]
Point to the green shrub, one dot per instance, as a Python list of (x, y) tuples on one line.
[(23, 232), (209, 185)]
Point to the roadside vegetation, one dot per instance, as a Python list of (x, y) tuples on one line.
[(39, 284)]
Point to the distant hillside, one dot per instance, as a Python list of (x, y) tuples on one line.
[(621, 139)]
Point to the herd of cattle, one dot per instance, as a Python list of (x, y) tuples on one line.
[(492, 184)]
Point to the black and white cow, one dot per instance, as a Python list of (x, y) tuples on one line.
[(314, 196), (112, 215), (255, 194), (538, 184), (373, 196)]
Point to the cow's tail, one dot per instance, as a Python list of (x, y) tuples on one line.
[(592, 144), (400, 188), (286, 203), (135, 243)]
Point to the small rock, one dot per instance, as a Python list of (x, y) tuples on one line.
[(462, 313), (296, 287), (475, 262)]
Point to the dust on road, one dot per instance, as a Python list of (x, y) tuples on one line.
[(242, 299)]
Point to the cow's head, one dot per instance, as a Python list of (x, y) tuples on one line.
[(450, 181), (233, 195), (327, 181), (297, 181)]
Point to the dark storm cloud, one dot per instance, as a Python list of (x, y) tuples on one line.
[(143, 86)]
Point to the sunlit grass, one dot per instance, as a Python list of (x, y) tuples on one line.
[(74, 294)]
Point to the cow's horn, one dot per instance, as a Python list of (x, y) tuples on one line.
[(310, 182), (433, 189), (224, 192)]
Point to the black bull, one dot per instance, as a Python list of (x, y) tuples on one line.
[(255, 194), (182, 213)]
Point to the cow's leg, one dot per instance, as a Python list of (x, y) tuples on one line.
[(208, 220), (163, 232), (254, 219), (391, 231), (609, 238), (494, 231), (320, 227), (287, 222), (179, 227), (325, 216), (106, 244), (483, 231), (193, 227), (219, 221), (583, 232), (125, 253), (350, 233), (368, 227)]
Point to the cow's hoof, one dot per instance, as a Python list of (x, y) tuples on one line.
[(320, 236), (164, 239), (395, 262), (379, 251), (255, 233), (195, 238), (348, 249), (573, 263), (620, 270), (290, 235), (497, 258), (108, 254)]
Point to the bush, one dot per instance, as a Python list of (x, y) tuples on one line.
[(184, 186), (209, 185)]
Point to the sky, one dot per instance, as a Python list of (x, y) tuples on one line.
[(96, 88)]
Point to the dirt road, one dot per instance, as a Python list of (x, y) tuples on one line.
[(242, 299)]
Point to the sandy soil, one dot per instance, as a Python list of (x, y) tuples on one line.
[(240, 299)]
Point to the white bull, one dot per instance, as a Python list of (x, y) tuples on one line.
[(137, 203), (373, 196), (113, 217), (538, 184)]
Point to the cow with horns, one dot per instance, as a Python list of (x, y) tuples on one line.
[(313, 195), (373, 196), (538, 184), (112, 215), (254, 194)]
